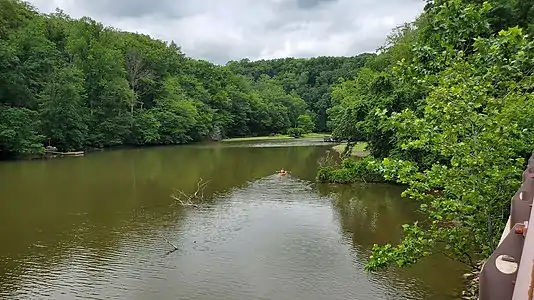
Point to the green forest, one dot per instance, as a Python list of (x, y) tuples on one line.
[(446, 108), (76, 84)]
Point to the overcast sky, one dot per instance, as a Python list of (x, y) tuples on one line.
[(222, 30)]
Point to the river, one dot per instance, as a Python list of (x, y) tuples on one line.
[(94, 227)]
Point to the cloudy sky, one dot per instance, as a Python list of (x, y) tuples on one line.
[(222, 30)]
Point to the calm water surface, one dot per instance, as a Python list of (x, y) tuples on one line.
[(94, 227)]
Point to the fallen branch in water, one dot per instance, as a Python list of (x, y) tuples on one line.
[(192, 199), (174, 247), (168, 242)]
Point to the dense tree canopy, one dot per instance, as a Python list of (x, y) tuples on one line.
[(446, 108), (310, 79), (77, 84)]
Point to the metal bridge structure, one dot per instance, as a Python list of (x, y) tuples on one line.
[(508, 274)]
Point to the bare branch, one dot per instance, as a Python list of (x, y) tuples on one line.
[(136, 71), (192, 199), (168, 242)]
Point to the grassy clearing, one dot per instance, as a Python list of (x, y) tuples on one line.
[(258, 138), (315, 135), (358, 150), (273, 137)]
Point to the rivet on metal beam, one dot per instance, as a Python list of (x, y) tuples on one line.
[(506, 264)]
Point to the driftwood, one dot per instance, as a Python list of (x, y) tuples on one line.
[(191, 199), (173, 245), (185, 199)]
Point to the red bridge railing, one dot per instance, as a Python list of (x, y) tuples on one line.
[(508, 274)]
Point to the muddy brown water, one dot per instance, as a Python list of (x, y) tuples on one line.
[(93, 227)]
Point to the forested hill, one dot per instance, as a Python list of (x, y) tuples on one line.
[(311, 79), (77, 84)]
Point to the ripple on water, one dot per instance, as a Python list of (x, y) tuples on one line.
[(273, 239)]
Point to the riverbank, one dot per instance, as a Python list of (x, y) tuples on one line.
[(359, 150), (47, 154), (273, 137)]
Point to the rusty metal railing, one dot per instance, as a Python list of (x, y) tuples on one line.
[(508, 273)]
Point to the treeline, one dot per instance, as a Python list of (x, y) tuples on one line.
[(77, 84), (311, 79), (446, 108)]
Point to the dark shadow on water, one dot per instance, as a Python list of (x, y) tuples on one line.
[(371, 214)]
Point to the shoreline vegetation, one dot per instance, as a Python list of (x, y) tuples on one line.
[(47, 154), (350, 170), (356, 166), (273, 137)]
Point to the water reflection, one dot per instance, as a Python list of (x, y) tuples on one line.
[(371, 214)]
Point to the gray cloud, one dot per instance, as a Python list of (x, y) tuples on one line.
[(311, 3), (233, 29), (131, 8)]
